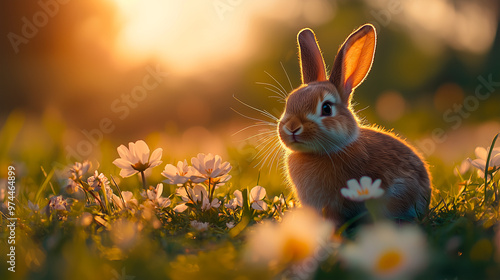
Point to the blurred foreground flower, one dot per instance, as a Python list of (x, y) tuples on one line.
[(482, 156), (301, 237), (387, 252), (124, 233), (136, 158), (362, 190), (199, 226)]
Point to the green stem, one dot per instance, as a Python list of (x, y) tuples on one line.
[(487, 167), (100, 202), (373, 208), (143, 180)]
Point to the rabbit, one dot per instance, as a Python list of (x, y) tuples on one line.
[(326, 145)]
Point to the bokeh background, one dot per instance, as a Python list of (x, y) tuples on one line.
[(74, 74)]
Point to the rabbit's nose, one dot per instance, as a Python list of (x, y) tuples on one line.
[(293, 130)]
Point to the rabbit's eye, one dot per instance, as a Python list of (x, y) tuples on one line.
[(326, 109)]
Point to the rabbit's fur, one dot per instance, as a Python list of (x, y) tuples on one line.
[(326, 146)]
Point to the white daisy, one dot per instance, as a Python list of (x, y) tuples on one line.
[(482, 156), (362, 190), (180, 174), (136, 158), (210, 166)]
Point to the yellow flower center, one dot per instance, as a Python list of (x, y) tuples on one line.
[(296, 249), (363, 192), (389, 261)]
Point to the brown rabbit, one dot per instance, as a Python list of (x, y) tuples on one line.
[(326, 146)]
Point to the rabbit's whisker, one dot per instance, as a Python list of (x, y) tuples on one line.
[(276, 89), (263, 112), (288, 77)]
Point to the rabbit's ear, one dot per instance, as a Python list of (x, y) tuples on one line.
[(312, 65), (354, 60)]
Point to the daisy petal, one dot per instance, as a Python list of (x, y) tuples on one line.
[(127, 172), (122, 163), (180, 208), (481, 153), (142, 151), (155, 158)]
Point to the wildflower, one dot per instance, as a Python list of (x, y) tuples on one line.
[(136, 158), (230, 225), (362, 190), (97, 181), (295, 240), (78, 170), (57, 203), (482, 156), (207, 205), (256, 195), (388, 252), (128, 198), (236, 201), (199, 226), (181, 174), (155, 196), (210, 166), (193, 195)]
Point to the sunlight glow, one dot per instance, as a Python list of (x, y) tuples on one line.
[(195, 35)]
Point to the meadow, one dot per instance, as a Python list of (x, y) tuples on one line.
[(135, 141), (188, 220)]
